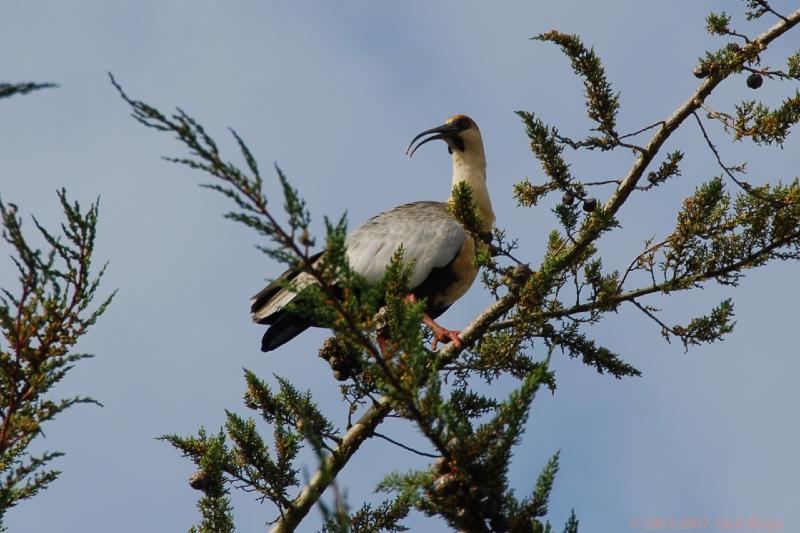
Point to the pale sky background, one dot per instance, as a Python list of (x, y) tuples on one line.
[(333, 92)]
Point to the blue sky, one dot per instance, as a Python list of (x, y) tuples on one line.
[(333, 93)]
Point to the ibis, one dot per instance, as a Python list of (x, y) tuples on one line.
[(440, 249)]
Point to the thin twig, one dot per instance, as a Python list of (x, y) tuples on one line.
[(634, 147), (765, 5), (769, 73), (726, 119), (637, 259), (637, 132), (664, 328), (603, 182), (740, 35), (743, 184), (405, 447), (729, 170)]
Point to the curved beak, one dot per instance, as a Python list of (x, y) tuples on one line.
[(445, 131)]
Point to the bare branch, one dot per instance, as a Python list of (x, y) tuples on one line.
[(728, 170), (642, 130), (404, 446)]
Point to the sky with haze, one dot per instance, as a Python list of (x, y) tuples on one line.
[(333, 92)]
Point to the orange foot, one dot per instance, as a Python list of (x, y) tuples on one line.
[(440, 334)]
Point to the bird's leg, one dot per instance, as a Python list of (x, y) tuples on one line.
[(440, 334)]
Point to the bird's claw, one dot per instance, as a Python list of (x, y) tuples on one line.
[(441, 334)]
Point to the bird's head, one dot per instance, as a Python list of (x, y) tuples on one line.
[(459, 132), (464, 141)]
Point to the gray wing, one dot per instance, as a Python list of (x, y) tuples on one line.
[(430, 237)]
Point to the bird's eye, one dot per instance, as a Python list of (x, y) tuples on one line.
[(463, 123)]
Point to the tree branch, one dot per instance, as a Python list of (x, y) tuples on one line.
[(682, 113), (404, 446), (332, 465), (725, 168), (364, 428), (667, 286)]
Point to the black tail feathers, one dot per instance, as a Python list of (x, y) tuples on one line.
[(284, 327)]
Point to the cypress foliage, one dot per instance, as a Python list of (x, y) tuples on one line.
[(41, 321)]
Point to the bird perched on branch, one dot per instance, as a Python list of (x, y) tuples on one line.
[(441, 249)]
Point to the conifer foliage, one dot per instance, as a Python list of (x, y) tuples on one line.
[(726, 227), (41, 321)]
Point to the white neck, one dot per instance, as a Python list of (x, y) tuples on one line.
[(470, 166)]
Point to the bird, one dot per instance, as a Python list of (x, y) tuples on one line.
[(440, 248)]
